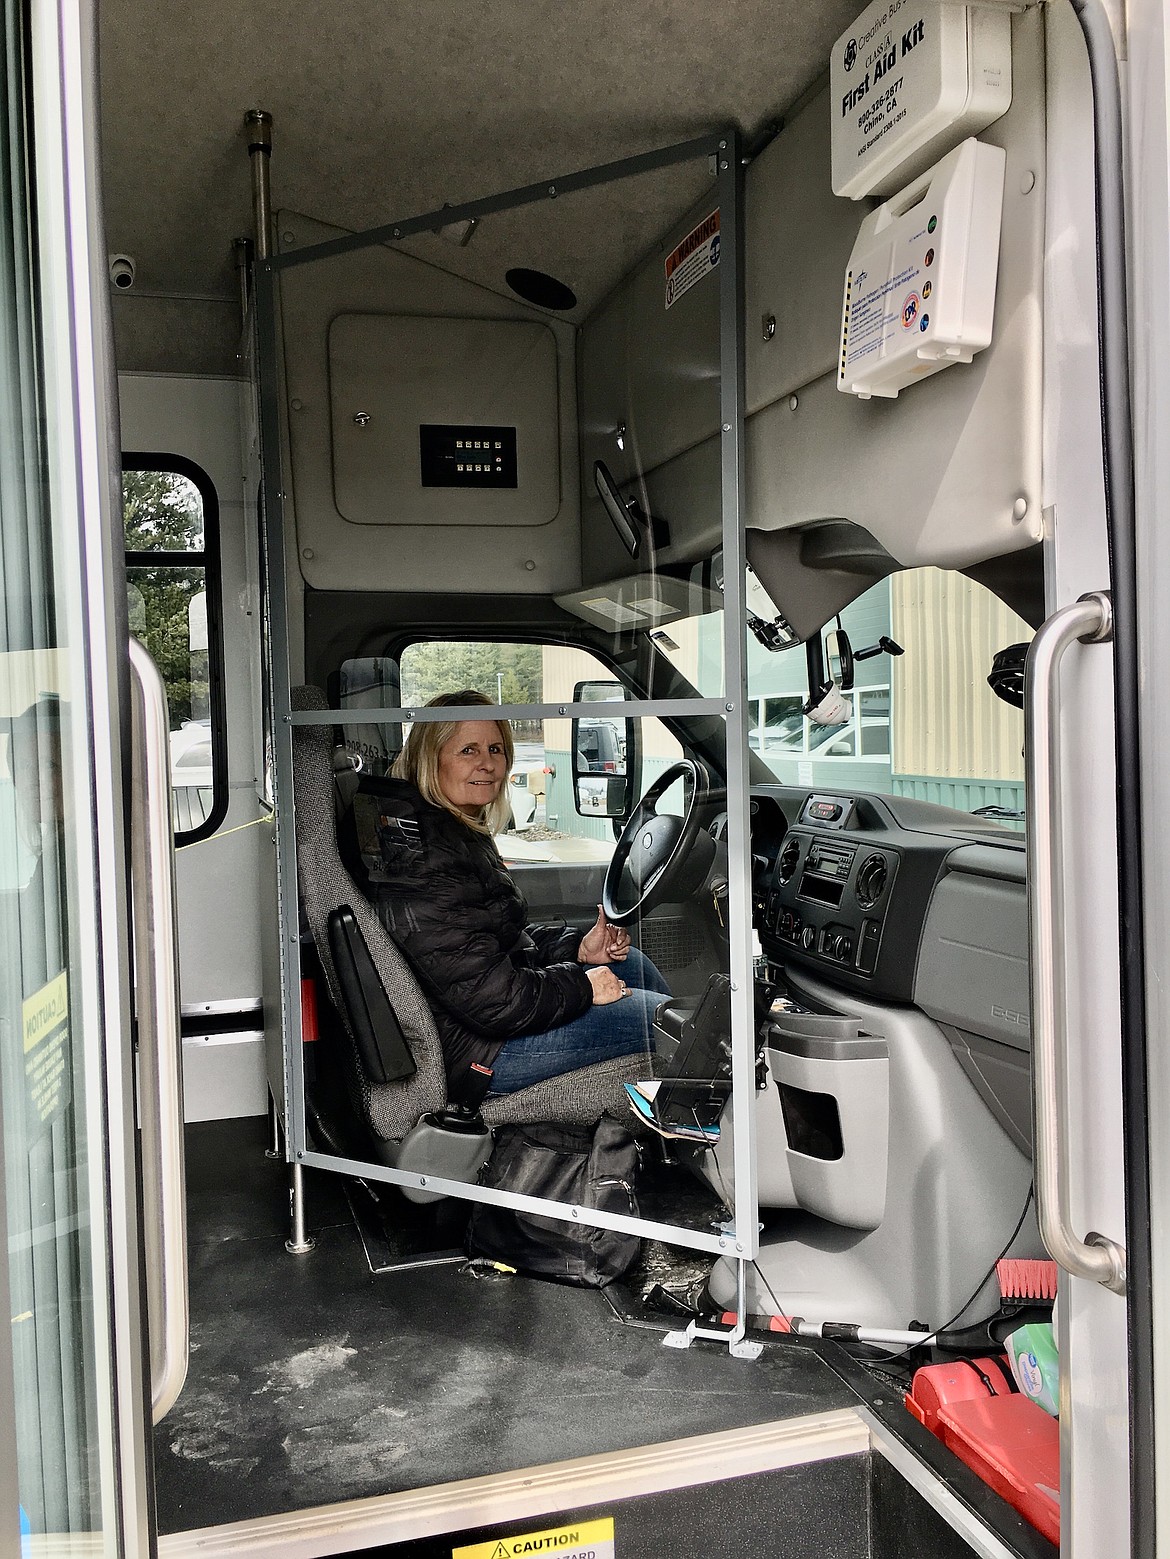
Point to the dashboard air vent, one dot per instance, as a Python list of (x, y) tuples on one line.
[(789, 857), (871, 879)]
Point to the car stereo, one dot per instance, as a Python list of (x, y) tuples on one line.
[(826, 870), (828, 895)]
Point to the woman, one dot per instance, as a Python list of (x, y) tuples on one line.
[(513, 1003)]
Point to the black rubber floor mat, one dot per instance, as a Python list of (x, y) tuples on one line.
[(313, 1381), (397, 1234)]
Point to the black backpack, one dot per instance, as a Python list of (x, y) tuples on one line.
[(583, 1166)]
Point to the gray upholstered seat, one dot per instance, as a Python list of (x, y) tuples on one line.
[(389, 1110)]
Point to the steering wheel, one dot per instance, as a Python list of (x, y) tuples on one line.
[(658, 854)]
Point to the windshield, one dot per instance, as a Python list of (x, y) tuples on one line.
[(923, 724)]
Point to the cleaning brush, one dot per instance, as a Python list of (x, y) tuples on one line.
[(1022, 1278)]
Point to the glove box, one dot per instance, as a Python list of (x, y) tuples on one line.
[(833, 1077)]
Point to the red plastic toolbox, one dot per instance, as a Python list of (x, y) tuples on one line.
[(936, 1386), (1014, 1446)]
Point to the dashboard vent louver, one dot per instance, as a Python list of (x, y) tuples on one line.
[(871, 879), (789, 858)]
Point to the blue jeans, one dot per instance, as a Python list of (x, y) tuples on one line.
[(619, 1028)]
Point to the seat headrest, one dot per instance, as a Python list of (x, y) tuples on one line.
[(306, 696)]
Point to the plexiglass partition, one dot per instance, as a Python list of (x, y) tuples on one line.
[(626, 764)]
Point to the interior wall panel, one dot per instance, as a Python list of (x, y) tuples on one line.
[(950, 471), (333, 554), (218, 879), (175, 335)]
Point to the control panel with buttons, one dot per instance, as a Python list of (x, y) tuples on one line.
[(827, 896), (842, 884), (452, 456)]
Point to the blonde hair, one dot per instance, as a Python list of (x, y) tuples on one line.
[(418, 761)]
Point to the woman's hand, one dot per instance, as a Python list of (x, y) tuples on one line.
[(607, 986), (603, 943)]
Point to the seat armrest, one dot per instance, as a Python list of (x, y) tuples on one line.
[(381, 1044)]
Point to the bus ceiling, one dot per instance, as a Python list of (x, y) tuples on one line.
[(542, 385)]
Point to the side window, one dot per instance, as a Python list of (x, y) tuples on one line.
[(171, 522), (546, 823)]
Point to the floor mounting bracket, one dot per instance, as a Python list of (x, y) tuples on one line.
[(738, 1345)]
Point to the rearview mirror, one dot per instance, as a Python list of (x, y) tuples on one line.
[(839, 659), (603, 754), (624, 514)]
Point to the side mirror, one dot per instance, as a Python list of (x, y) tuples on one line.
[(604, 754)]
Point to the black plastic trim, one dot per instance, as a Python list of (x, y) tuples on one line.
[(209, 560)]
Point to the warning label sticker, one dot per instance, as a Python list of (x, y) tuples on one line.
[(696, 257), (45, 1022), (877, 310), (585, 1540), (614, 611)]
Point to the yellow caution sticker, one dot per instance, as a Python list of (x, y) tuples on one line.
[(584, 1540), (45, 1024), (45, 1011)]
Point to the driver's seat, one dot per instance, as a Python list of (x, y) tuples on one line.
[(389, 1110)]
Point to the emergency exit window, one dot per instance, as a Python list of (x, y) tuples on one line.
[(171, 520)]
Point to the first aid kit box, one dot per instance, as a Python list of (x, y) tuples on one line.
[(920, 287), (911, 79)]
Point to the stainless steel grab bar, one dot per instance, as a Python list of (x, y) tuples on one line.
[(160, 1078), (1091, 621)]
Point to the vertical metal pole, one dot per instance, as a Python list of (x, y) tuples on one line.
[(299, 1243), (258, 129), (739, 909), (281, 700), (273, 1150), (10, 1542), (243, 249)]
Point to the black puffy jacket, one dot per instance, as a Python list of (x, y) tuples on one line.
[(449, 902)]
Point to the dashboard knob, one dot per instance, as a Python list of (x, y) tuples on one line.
[(838, 946), (807, 937)]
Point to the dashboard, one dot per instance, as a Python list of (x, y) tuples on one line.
[(901, 902), (843, 884)]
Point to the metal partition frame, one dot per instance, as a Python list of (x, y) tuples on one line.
[(722, 150)]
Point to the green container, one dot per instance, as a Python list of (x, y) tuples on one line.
[(1035, 1364)]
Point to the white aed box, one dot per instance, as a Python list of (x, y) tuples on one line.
[(911, 78), (920, 287)]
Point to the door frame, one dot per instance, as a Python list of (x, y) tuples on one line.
[(74, 339)]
